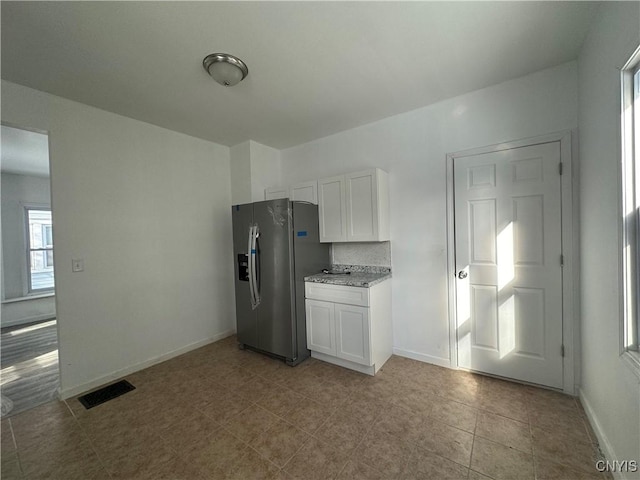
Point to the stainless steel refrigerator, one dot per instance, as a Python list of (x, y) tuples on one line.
[(276, 244)]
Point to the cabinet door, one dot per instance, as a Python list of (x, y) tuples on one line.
[(331, 209), (273, 193), (305, 192), (321, 327), (353, 340), (362, 206)]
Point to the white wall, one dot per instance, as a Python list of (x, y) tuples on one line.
[(412, 147), (148, 210), (253, 168), (609, 388), (18, 191), (241, 173)]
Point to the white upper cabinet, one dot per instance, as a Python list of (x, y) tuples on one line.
[(273, 193), (332, 213), (305, 192), (354, 207)]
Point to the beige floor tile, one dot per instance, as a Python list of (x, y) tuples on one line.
[(561, 449), (221, 412), (397, 421), (505, 431), (254, 466), (45, 417), (386, 453), (217, 455), (280, 442), (501, 387), (7, 443), (11, 469), (355, 470), (327, 392), (237, 377), (282, 402), (540, 399), (424, 464), (343, 431), (500, 462), (316, 460), (70, 462), (225, 408), (549, 470), (505, 405), (449, 442), (414, 399), (569, 426), (364, 410), (257, 389), (473, 475), (181, 434), (251, 422), (309, 415), (455, 414)]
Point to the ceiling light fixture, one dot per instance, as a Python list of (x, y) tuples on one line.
[(225, 69)]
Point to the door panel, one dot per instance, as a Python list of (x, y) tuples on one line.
[(321, 327), (331, 198), (508, 240), (352, 333), (362, 201), (275, 316)]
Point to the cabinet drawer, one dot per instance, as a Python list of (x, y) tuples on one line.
[(337, 293)]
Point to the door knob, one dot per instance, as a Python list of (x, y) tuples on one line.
[(462, 275)]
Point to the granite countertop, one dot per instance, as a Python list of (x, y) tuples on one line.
[(360, 276)]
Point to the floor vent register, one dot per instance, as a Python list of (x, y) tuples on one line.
[(105, 394)]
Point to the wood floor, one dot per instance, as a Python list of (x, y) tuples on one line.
[(29, 362)]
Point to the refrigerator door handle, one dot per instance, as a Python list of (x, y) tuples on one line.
[(254, 267), (250, 265)]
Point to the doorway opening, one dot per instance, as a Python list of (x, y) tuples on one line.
[(29, 334)]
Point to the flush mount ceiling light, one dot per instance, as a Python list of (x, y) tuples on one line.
[(225, 69)]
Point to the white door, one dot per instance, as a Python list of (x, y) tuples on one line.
[(321, 327), (352, 333), (508, 263)]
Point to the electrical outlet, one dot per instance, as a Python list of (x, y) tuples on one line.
[(77, 265)]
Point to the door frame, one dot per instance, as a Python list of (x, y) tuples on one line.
[(569, 250)]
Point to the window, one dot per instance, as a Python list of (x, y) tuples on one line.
[(39, 249), (631, 204)]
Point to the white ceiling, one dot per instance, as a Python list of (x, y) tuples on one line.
[(315, 68), (24, 152)]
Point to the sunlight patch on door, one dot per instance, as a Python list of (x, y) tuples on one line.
[(506, 267)]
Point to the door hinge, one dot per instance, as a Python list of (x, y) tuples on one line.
[(561, 260), (562, 350), (560, 168)]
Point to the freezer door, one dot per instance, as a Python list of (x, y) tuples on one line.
[(310, 257), (246, 317), (275, 277)]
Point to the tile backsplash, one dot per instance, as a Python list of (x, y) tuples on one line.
[(365, 253)]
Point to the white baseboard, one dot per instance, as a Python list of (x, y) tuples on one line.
[(421, 357), (603, 441), (78, 389)]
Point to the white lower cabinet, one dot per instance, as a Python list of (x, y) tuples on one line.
[(353, 336)]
